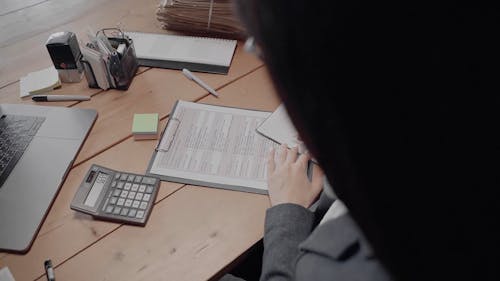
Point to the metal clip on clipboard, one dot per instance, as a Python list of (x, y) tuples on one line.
[(118, 53), (168, 135)]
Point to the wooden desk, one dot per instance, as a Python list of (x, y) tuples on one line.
[(194, 232)]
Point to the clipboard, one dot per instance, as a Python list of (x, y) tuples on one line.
[(175, 132)]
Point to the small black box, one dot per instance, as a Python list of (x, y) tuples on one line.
[(64, 50)]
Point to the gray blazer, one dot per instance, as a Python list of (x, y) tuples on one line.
[(295, 250)]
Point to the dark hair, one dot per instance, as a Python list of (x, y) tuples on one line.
[(399, 103)]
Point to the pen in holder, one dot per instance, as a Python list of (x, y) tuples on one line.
[(109, 60)]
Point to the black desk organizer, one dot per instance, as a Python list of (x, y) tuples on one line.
[(120, 68)]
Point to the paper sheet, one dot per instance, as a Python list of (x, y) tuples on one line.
[(5, 274), (39, 82), (214, 145), (279, 128)]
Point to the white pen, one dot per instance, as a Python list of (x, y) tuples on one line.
[(59, 98), (198, 81)]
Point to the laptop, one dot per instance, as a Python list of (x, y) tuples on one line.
[(38, 145)]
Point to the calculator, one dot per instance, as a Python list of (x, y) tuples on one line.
[(116, 196)]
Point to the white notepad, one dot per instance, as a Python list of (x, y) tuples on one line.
[(6, 275), (39, 82), (176, 51), (280, 129)]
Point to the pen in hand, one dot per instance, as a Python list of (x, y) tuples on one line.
[(198, 81)]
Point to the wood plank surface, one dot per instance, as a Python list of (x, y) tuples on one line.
[(193, 233), (33, 19), (11, 6), (23, 34), (66, 232), (10, 93), (190, 236), (154, 91)]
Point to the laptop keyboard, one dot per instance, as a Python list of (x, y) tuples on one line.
[(16, 133)]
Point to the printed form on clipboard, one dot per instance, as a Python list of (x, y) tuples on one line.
[(213, 146)]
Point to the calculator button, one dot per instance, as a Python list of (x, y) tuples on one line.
[(117, 176), (131, 195), (143, 205), (113, 200), (147, 180), (149, 189), (132, 213), (135, 187), (130, 178), (120, 185), (124, 212), (120, 202), (146, 197), (124, 194), (135, 204), (109, 209), (113, 184), (105, 205), (140, 214), (138, 179), (117, 210), (139, 196), (116, 192), (127, 186), (142, 188), (101, 178), (128, 203), (123, 177)]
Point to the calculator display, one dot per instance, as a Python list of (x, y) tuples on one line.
[(96, 189)]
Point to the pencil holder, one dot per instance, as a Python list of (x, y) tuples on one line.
[(124, 66), (110, 61)]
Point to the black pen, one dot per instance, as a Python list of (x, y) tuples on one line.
[(49, 271), (59, 98)]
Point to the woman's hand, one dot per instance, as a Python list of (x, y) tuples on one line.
[(287, 178)]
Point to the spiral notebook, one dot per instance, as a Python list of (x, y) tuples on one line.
[(202, 54)]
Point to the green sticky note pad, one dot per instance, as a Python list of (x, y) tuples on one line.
[(145, 123)]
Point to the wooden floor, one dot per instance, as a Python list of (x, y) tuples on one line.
[(194, 232)]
